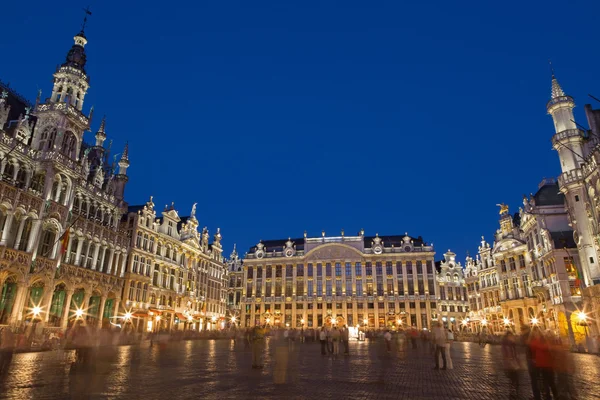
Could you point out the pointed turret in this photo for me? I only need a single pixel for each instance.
(101, 134)
(122, 178)
(124, 161)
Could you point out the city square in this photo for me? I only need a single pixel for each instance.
(307, 158)
(220, 369)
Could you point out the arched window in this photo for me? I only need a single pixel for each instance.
(46, 243)
(455, 277)
(21, 178)
(68, 144)
(138, 294)
(9, 171)
(37, 183)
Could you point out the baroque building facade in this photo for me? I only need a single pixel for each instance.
(175, 279)
(70, 246)
(62, 249)
(235, 290)
(529, 276)
(453, 301)
(371, 282)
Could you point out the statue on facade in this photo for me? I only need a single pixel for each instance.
(193, 213)
(503, 208)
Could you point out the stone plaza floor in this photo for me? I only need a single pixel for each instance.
(210, 369)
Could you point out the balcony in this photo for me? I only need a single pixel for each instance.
(13, 256)
(569, 177)
(68, 108)
(42, 264)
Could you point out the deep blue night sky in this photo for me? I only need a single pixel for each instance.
(280, 118)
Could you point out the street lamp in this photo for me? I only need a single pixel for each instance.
(79, 313)
(233, 319)
(36, 311)
(534, 321)
(484, 322)
(506, 321)
(127, 316)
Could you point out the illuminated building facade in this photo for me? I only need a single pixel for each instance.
(374, 282)
(579, 155)
(234, 293)
(62, 251)
(175, 279)
(453, 302)
(530, 275)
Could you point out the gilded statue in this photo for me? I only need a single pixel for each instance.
(503, 208)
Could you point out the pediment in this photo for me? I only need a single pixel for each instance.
(334, 251)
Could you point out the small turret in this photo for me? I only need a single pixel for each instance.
(101, 134)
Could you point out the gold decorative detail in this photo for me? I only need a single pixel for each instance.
(503, 208)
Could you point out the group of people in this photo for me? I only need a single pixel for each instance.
(331, 338)
(547, 362)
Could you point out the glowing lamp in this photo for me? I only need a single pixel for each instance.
(214, 319)
(127, 316)
(79, 313)
(232, 319)
(534, 321)
(506, 321)
(158, 317)
(581, 316)
(484, 322)
(465, 322)
(36, 310)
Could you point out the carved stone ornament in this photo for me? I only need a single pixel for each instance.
(333, 252)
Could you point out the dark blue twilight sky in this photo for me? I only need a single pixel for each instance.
(278, 118)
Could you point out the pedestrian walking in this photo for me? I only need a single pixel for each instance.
(335, 341)
(7, 347)
(329, 342)
(542, 358)
(258, 339)
(450, 340)
(439, 339)
(387, 336)
(345, 339)
(323, 340)
(510, 362)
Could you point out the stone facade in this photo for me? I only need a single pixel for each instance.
(66, 231)
(372, 282)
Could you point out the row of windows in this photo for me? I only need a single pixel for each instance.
(339, 289)
(329, 306)
(348, 269)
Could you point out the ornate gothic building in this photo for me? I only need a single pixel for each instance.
(66, 230)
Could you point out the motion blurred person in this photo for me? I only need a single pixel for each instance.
(335, 341)
(511, 363)
(449, 341)
(387, 336)
(439, 339)
(7, 347)
(345, 339)
(542, 358)
(258, 339)
(323, 340)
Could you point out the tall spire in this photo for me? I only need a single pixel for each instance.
(124, 162)
(125, 156)
(101, 134)
(556, 89)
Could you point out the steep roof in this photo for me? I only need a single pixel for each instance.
(549, 195)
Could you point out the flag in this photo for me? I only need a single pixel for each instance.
(64, 243)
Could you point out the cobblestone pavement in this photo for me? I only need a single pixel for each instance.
(222, 370)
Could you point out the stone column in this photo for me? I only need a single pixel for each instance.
(46, 303)
(20, 233)
(33, 236)
(17, 311)
(101, 310)
(77, 260)
(123, 261)
(7, 226)
(116, 308)
(102, 259)
(95, 258)
(65, 317)
(111, 260)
